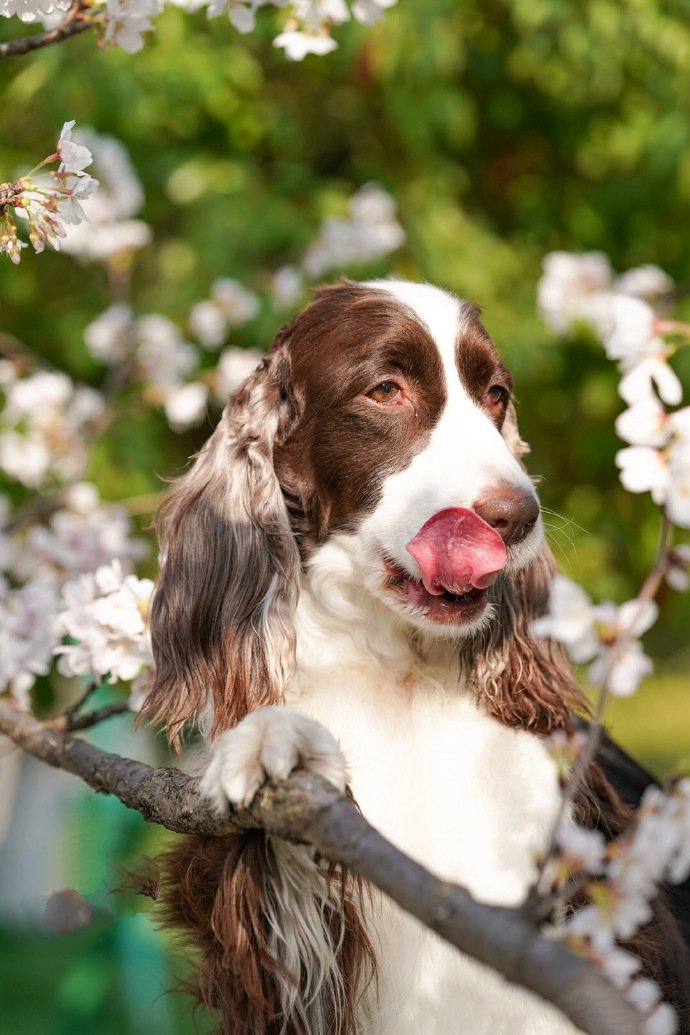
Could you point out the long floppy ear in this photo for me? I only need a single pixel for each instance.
(222, 610)
(522, 680)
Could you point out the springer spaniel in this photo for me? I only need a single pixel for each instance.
(351, 569)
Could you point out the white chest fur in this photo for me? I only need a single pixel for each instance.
(467, 797)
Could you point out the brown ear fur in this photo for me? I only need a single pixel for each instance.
(221, 617)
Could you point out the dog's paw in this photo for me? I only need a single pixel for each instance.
(269, 744)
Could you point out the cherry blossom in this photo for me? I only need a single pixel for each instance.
(42, 428)
(33, 10)
(74, 157)
(287, 286)
(47, 200)
(370, 231)
(126, 22)
(233, 367)
(602, 634)
(230, 305)
(28, 633)
(83, 535)
(106, 614)
(109, 337)
(630, 330)
(625, 879)
(572, 287)
(646, 282)
(111, 230)
(580, 849)
(185, 405)
(649, 375)
(297, 44)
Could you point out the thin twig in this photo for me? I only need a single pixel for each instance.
(307, 809)
(89, 690)
(79, 19)
(69, 722)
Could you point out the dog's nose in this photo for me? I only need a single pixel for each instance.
(512, 512)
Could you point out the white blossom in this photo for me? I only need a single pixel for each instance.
(286, 286)
(42, 427)
(371, 11)
(111, 230)
(678, 498)
(648, 375)
(230, 305)
(185, 405)
(208, 324)
(621, 668)
(603, 634)
(126, 22)
(28, 633)
(644, 282)
(570, 619)
(581, 849)
(234, 366)
(33, 10)
(571, 288)
(46, 200)
(630, 331)
(165, 358)
(298, 44)
(74, 157)
(644, 424)
(644, 470)
(83, 535)
(107, 615)
(370, 231)
(109, 337)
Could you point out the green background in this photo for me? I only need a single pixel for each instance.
(503, 130)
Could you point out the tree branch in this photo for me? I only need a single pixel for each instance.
(78, 20)
(307, 809)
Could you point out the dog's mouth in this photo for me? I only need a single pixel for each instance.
(454, 605)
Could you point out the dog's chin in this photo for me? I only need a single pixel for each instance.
(443, 615)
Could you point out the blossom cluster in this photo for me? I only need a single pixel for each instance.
(604, 635)
(36, 563)
(47, 200)
(621, 879)
(306, 30)
(111, 229)
(43, 425)
(106, 617)
(582, 289)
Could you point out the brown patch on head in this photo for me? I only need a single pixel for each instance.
(349, 340)
(486, 380)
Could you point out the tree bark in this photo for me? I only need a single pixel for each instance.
(306, 809)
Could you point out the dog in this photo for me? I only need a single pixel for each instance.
(350, 572)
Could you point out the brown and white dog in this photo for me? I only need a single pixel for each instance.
(351, 569)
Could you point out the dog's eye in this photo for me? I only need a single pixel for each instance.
(386, 392)
(497, 396)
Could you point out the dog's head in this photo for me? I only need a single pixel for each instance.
(382, 412)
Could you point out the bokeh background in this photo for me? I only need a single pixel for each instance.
(503, 130)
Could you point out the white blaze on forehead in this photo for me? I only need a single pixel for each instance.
(465, 456)
(438, 309)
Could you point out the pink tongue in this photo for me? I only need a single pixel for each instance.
(457, 551)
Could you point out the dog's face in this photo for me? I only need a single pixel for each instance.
(400, 439)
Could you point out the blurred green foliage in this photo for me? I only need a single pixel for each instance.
(504, 130)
